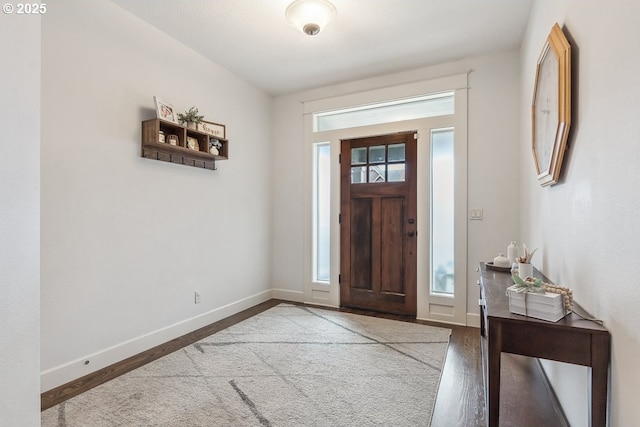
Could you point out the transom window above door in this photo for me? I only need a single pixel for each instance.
(378, 164)
(416, 107)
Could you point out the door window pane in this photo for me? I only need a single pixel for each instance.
(321, 217)
(377, 154)
(442, 212)
(395, 172)
(377, 173)
(359, 156)
(396, 153)
(359, 175)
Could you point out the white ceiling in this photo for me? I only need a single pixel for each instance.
(369, 38)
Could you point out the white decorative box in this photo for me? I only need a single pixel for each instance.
(547, 306)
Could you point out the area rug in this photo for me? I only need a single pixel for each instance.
(289, 366)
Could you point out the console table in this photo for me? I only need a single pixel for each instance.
(571, 340)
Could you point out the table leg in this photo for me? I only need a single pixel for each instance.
(493, 389)
(599, 375)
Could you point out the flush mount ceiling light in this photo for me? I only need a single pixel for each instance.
(310, 16)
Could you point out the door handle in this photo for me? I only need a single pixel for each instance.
(411, 233)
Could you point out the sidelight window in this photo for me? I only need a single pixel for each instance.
(442, 211)
(321, 212)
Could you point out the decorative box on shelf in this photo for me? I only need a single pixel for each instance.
(545, 306)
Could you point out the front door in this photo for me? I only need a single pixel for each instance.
(378, 225)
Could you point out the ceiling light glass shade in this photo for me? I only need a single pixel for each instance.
(310, 16)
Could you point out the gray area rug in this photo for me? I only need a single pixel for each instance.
(288, 366)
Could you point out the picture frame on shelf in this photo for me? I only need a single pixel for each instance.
(192, 143)
(214, 129)
(165, 111)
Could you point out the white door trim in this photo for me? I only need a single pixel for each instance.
(430, 307)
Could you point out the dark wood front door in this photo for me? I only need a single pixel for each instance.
(378, 225)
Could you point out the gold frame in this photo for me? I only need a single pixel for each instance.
(551, 107)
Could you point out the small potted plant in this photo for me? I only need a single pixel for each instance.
(214, 146)
(525, 269)
(190, 117)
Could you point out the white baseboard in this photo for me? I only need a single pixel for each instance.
(287, 295)
(473, 320)
(87, 364)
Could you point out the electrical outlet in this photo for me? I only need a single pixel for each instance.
(196, 297)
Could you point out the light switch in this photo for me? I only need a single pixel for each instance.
(475, 214)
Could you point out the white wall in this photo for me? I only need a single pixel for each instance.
(493, 175)
(20, 221)
(125, 240)
(587, 227)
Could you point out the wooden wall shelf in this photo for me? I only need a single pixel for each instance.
(152, 148)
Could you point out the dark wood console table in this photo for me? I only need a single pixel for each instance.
(571, 340)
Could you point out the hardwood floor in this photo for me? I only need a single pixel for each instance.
(525, 399)
(460, 400)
